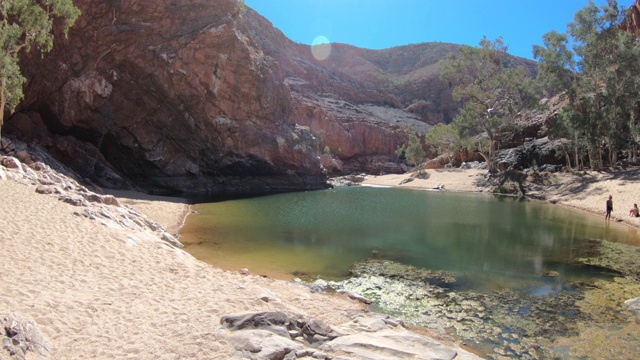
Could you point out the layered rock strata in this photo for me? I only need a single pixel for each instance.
(207, 97)
(174, 95)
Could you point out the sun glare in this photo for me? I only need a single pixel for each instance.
(321, 48)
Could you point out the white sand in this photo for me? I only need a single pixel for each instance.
(453, 180)
(98, 292)
(169, 212)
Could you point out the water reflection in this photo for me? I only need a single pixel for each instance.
(494, 242)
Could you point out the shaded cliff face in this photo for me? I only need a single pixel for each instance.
(200, 97)
(176, 97)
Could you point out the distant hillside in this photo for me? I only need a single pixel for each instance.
(408, 75)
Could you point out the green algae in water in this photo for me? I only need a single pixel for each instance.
(573, 322)
(511, 278)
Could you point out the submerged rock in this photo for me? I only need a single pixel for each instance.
(616, 257)
(392, 269)
(549, 273)
(633, 304)
(518, 323)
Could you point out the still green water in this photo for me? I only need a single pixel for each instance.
(492, 241)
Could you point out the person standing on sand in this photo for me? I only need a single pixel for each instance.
(609, 208)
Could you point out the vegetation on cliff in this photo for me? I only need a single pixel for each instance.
(598, 77)
(23, 25)
(412, 151)
(492, 93)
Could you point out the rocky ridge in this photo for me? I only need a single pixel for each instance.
(205, 98)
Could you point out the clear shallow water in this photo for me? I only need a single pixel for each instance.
(491, 241)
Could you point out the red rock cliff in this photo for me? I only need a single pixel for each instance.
(632, 21)
(176, 96)
(197, 96)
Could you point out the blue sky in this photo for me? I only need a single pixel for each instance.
(380, 24)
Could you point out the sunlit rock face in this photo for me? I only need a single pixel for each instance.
(632, 21)
(202, 97)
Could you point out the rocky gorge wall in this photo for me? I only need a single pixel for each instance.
(173, 95)
(632, 21)
(204, 97)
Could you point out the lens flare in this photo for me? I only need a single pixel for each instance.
(321, 48)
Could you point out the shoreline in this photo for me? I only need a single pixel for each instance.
(93, 276)
(554, 195)
(100, 278)
(585, 192)
(170, 212)
(447, 180)
(452, 180)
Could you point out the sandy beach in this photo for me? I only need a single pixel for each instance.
(99, 277)
(98, 290)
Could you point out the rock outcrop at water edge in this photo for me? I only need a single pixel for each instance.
(31, 167)
(277, 335)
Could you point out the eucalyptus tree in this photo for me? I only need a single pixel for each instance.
(556, 63)
(412, 152)
(444, 139)
(556, 74)
(621, 91)
(25, 24)
(493, 94)
(595, 32)
(603, 87)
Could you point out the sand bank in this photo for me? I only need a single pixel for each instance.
(169, 212)
(98, 290)
(102, 292)
(585, 191)
(101, 281)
